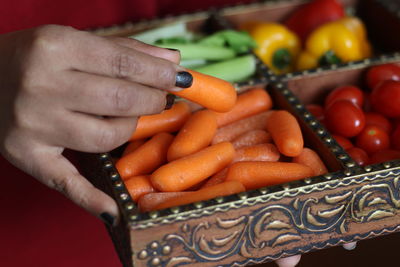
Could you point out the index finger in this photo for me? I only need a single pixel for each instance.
(94, 54)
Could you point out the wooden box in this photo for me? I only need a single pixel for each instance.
(349, 203)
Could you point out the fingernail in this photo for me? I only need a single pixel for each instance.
(108, 218)
(173, 49)
(350, 246)
(183, 79)
(170, 101)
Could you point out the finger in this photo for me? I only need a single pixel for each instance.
(106, 96)
(101, 56)
(350, 246)
(288, 261)
(168, 54)
(87, 133)
(58, 173)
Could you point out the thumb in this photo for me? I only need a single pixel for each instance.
(288, 261)
(58, 173)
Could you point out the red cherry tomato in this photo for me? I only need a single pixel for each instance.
(385, 98)
(378, 74)
(395, 138)
(347, 92)
(372, 139)
(384, 155)
(344, 118)
(343, 141)
(373, 118)
(316, 110)
(358, 155)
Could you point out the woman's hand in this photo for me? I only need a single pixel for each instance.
(64, 88)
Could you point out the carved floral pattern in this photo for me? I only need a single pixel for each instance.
(280, 224)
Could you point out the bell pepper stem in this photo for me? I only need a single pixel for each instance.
(329, 58)
(281, 59)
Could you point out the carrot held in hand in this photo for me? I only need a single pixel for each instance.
(196, 134)
(235, 129)
(146, 158)
(209, 92)
(248, 103)
(169, 121)
(310, 158)
(185, 172)
(138, 186)
(219, 190)
(150, 201)
(258, 174)
(286, 133)
(252, 138)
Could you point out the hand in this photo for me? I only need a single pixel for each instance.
(64, 88)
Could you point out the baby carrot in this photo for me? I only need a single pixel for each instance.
(217, 178)
(138, 186)
(249, 103)
(150, 201)
(252, 138)
(146, 158)
(132, 146)
(185, 172)
(235, 129)
(209, 92)
(286, 133)
(261, 152)
(259, 174)
(310, 158)
(219, 190)
(196, 134)
(169, 121)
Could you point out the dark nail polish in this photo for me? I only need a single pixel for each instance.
(108, 218)
(183, 79)
(173, 49)
(170, 101)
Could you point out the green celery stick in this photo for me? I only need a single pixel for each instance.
(193, 63)
(175, 30)
(198, 51)
(232, 70)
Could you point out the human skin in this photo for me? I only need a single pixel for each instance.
(63, 88)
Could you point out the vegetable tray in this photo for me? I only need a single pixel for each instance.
(349, 203)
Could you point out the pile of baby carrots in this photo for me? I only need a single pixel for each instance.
(180, 157)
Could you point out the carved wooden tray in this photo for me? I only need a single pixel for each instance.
(349, 203)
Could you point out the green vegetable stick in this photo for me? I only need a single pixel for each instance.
(233, 70)
(198, 51)
(152, 35)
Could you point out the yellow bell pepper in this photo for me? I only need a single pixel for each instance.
(339, 41)
(277, 46)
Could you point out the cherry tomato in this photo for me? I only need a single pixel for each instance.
(316, 110)
(372, 139)
(343, 141)
(347, 92)
(344, 118)
(384, 155)
(373, 118)
(385, 98)
(395, 138)
(378, 74)
(358, 155)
